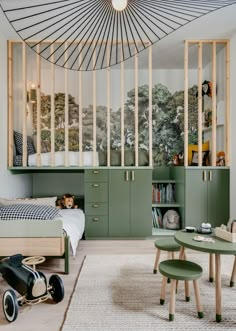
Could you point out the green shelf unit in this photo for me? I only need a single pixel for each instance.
(164, 181)
(166, 205)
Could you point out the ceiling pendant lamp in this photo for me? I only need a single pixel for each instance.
(85, 35)
(119, 4)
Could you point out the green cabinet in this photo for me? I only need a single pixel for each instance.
(130, 200)
(96, 203)
(206, 196)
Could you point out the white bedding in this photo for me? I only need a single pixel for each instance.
(73, 159)
(73, 224)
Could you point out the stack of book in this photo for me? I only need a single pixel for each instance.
(156, 218)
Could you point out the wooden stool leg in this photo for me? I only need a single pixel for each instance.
(187, 292)
(172, 300)
(173, 255)
(163, 290)
(156, 260)
(211, 268)
(169, 257)
(198, 299)
(233, 276)
(218, 287)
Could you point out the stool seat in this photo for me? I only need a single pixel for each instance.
(177, 270)
(180, 269)
(167, 244)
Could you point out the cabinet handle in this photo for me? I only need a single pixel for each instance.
(95, 185)
(204, 176)
(210, 175)
(127, 176)
(95, 219)
(96, 172)
(132, 176)
(95, 206)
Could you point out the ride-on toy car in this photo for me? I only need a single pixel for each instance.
(30, 284)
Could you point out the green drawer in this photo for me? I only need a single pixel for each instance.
(96, 192)
(96, 226)
(96, 175)
(96, 209)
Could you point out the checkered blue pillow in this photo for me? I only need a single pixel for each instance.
(18, 138)
(27, 212)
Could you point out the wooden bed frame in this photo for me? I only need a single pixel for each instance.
(57, 247)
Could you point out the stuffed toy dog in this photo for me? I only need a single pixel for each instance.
(67, 202)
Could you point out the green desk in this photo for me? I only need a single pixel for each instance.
(220, 246)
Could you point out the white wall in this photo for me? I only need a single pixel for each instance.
(10, 185)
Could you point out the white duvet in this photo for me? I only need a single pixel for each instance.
(73, 224)
(73, 159)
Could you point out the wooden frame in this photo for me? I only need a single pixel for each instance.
(188, 43)
(94, 95)
(57, 247)
(214, 44)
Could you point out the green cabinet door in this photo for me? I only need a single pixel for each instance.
(130, 202)
(141, 202)
(196, 201)
(119, 203)
(206, 196)
(218, 196)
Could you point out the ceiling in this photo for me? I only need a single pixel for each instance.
(168, 53)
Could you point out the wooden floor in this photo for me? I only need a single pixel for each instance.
(48, 316)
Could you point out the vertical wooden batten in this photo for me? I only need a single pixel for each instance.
(38, 109)
(94, 111)
(80, 114)
(213, 147)
(10, 105)
(66, 111)
(227, 127)
(150, 102)
(186, 103)
(200, 103)
(122, 119)
(108, 70)
(52, 109)
(24, 104)
(136, 107)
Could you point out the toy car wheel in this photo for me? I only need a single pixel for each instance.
(57, 288)
(10, 305)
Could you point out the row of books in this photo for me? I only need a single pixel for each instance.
(163, 193)
(156, 218)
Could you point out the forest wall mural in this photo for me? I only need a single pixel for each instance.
(167, 123)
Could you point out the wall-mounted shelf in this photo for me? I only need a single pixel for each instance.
(206, 129)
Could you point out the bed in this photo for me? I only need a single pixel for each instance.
(55, 237)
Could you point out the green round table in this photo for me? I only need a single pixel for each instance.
(220, 246)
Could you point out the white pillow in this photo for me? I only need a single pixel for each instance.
(35, 201)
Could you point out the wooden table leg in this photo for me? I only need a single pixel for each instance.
(233, 276)
(218, 287)
(211, 268)
(182, 253)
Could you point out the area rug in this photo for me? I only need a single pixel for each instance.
(121, 293)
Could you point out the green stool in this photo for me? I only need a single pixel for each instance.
(166, 244)
(180, 270)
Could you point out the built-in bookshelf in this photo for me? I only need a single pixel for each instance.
(163, 198)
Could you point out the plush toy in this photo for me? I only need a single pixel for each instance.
(178, 159)
(220, 158)
(67, 202)
(171, 220)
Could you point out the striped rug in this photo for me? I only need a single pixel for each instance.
(121, 293)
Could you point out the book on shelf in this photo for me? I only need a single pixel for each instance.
(156, 218)
(163, 193)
